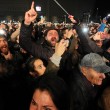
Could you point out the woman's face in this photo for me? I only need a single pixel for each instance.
(39, 67)
(42, 100)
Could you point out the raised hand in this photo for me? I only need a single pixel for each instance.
(71, 17)
(61, 47)
(30, 15)
(99, 36)
(70, 33)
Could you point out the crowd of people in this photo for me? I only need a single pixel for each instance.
(44, 66)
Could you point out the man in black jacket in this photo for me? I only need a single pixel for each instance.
(43, 50)
(83, 90)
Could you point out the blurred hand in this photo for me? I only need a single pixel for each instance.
(41, 21)
(71, 17)
(30, 15)
(99, 36)
(70, 33)
(61, 47)
(19, 25)
(22, 50)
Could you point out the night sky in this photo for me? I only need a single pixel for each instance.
(77, 8)
(102, 8)
(98, 8)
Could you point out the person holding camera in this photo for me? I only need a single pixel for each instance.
(45, 49)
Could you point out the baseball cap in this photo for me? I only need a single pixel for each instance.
(96, 62)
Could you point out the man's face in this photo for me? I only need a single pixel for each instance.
(52, 37)
(3, 46)
(99, 43)
(104, 21)
(93, 76)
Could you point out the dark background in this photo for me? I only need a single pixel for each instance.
(79, 8)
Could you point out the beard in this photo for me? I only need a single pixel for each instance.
(52, 42)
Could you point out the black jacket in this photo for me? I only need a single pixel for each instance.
(87, 45)
(42, 50)
(82, 93)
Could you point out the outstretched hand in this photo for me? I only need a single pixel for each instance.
(30, 15)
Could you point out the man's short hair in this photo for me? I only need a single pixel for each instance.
(48, 29)
(95, 62)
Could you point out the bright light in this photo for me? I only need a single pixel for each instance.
(85, 29)
(91, 22)
(2, 32)
(38, 8)
(108, 15)
(3, 21)
(41, 17)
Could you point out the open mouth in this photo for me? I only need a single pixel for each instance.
(53, 39)
(4, 48)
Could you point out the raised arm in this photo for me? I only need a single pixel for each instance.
(30, 15)
(25, 40)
